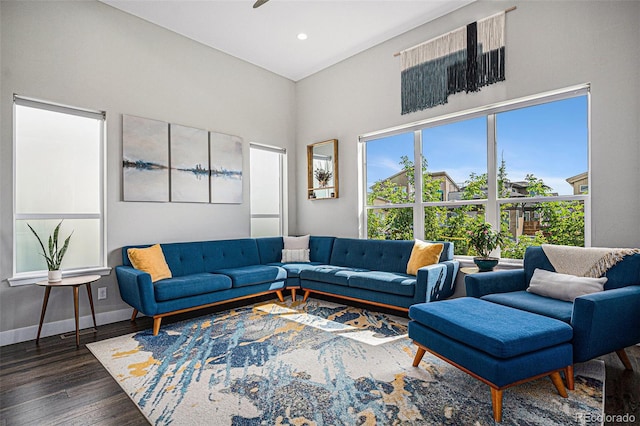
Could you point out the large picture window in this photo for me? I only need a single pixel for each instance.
(521, 166)
(59, 176)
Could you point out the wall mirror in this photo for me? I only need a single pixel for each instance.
(322, 166)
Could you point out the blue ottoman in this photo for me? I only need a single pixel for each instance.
(499, 345)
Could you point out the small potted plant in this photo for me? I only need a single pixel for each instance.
(54, 255)
(484, 240)
(323, 176)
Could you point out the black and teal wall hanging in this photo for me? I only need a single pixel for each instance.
(464, 59)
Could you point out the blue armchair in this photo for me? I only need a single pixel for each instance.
(602, 322)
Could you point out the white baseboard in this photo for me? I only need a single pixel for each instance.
(24, 334)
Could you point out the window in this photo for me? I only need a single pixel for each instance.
(520, 165)
(59, 176)
(267, 187)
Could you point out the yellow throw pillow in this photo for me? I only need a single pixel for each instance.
(423, 254)
(150, 260)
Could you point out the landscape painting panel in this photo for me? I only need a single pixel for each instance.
(145, 159)
(226, 168)
(189, 164)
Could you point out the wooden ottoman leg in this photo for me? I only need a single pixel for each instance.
(419, 355)
(306, 295)
(625, 359)
(496, 401)
(293, 294)
(557, 382)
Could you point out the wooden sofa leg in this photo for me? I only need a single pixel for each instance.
(135, 314)
(156, 325)
(557, 382)
(496, 402)
(306, 295)
(419, 355)
(568, 374)
(280, 296)
(625, 359)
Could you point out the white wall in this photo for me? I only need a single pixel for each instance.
(550, 45)
(90, 55)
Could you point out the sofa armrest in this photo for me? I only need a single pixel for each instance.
(480, 284)
(437, 281)
(606, 321)
(136, 289)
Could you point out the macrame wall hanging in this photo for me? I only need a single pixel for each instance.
(464, 59)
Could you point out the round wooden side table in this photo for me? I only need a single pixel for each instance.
(75, 283)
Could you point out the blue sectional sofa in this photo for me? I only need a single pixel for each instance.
(602, 322)
(208, 273)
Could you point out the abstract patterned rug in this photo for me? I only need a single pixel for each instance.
(318, 363)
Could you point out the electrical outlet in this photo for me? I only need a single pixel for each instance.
(102, 293)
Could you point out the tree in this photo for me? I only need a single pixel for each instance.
(561, 222)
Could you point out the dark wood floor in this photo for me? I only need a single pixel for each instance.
(55, 383)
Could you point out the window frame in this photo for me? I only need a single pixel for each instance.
(492, 203)
(283, 221)
(31, 277)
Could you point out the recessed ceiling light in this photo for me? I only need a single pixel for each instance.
(302, 36)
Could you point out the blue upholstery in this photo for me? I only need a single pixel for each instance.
(330, 274)
(193, 285)
(602, 322)
(254, 274)
(211, 271)
(270, 249)
(385, 282)
(499, 371)
(553, 308)
(500, 331)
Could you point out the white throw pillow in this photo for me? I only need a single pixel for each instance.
(563, 286)
(295, 255)
(296, 243)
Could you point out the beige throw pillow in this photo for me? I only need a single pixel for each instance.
(296, 243)
(563, 286)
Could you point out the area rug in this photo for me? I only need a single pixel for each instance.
(319, 363)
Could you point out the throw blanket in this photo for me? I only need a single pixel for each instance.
(585, 261)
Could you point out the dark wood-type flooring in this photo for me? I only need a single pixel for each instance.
(55, 383)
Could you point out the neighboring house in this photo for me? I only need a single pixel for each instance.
(447, 185)
(580, 183)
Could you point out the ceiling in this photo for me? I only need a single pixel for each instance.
(267, 36)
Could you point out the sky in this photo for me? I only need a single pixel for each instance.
(549, 141)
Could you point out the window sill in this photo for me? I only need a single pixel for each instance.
(33, 277)
(504, 263)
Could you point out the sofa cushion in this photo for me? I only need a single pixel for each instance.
(386, 282)
(423, 254)
(562, 286)
(554, 308)
(150, 260)
(190, 285)
(372, 255)
(230, 254)
(330, 274)
(463, 320)
(270, 249)
(294, 269)
(254, 274)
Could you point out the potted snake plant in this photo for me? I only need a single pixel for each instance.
(54, 254)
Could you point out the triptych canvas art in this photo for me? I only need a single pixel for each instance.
(165, 162)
